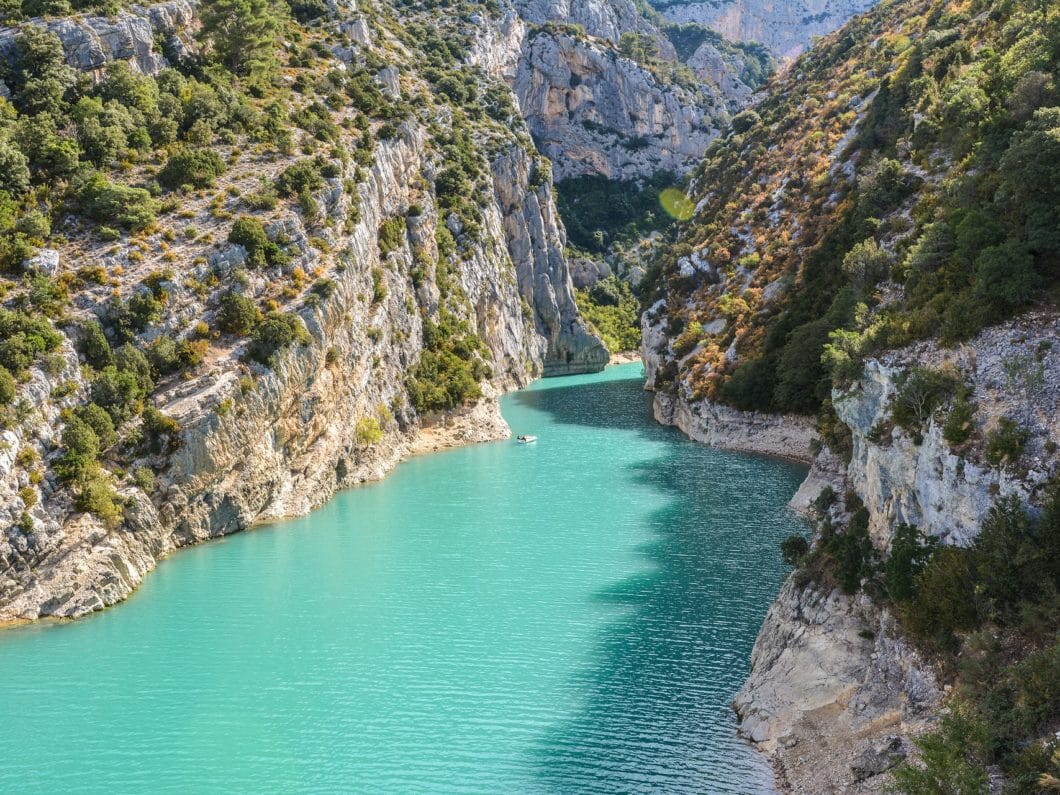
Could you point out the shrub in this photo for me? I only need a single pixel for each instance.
(97, 497)
(144, 479)
(96, 418)
(195, 167)
(378, 285)
(237, 314)
(368, 431)
(117, 205)
(919, 394)
(943, 601)
(952, 759)
(7, 387)
(80, 450)
(92, 344)
(23, 339)
(391, 236)
(275, 332)
(162, 431)
(119, 392)
(793, 549)
(909, 554)
(960, 422)
(300, 177)
(249, 233)
(1005, 442)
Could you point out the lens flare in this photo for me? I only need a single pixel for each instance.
(676, 204)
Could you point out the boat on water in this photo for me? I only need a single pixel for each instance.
(525, 439)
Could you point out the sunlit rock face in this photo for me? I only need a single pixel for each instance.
(786, 27)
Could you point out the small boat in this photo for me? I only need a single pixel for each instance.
(526, 439)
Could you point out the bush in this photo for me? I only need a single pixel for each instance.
(96, 418)
(7, 387)
(793, 549)
(391, 236)
(237, 314)
(119, 392)
(303, 176)
(117, 205)
(274, 333)
(368, 431)
(1005, 443)
(909, 554)
(919, 394)
(80, 451)
(944, 600)
(952, 759)
(960, 422)
(195, 167)
(93, 345)
(378, 285)
(97, 497)
(23, 339)
(144, 479)
(162, 431)
(249, 233)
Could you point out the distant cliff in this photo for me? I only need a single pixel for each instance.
(787, 28)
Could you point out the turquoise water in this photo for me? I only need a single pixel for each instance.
(571, 616)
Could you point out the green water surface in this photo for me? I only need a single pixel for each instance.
(565, 617)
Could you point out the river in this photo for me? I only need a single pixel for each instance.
(564, 617)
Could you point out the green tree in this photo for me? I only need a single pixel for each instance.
(241, 34)
(237, 314)
(41, 76)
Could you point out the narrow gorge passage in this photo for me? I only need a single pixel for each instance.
(574, 615)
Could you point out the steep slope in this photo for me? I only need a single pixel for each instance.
(327, 269)
(869, 281)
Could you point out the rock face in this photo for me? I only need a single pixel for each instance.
(591, 111)
(784, 27)
(259, 443)
(944, 491)
(828, 671)
(92, 42)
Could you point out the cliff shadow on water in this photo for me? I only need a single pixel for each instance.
(670, 662)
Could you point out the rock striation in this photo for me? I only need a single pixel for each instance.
(592, 111)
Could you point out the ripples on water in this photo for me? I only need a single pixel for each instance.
(573, 616)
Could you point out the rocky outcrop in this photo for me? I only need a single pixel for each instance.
(748, 432)
(944, 490)
(591, 111)
(90, 43)
(830, 674)
(786, 28)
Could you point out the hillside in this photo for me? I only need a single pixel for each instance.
(869, 283)
(243, 268)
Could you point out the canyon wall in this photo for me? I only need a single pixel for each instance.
(262, 442)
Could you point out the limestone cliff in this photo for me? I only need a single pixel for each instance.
(592, 111)
(256, 442)
(787, 28)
